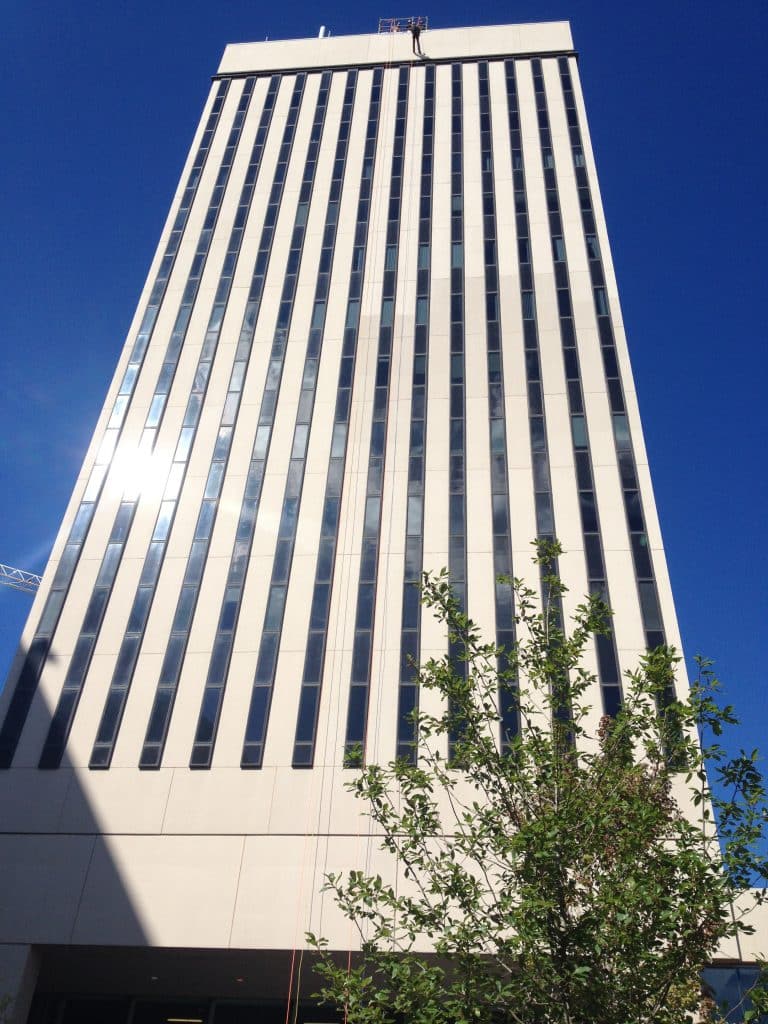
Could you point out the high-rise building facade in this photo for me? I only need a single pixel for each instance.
(381, 335)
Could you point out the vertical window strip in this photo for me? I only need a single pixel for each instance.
(218, 665)
(63, 715)
(170, 672)
(271, 632)
(123, 673)
(362, 648)
(607, 654)
(645, 578)
(410, 644)
(497, 424)
(317, 634)
(457, 498)
(537, 423)
(32, 667)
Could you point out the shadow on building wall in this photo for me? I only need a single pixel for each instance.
(78, 941)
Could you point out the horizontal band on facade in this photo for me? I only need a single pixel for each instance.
(365, 65)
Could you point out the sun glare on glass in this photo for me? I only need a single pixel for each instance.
(138, 472)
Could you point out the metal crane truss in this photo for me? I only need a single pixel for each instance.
(19, 579)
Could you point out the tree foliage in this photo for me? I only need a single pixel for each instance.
(558, 875)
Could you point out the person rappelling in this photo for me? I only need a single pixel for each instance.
(414, 27)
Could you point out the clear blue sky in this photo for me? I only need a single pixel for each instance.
(99, 101)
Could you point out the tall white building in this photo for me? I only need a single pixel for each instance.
(381, 334)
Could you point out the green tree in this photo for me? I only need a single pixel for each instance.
(558, 875)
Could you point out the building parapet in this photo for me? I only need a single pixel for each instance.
(384, 48)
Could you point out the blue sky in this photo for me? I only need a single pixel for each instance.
(99, 102)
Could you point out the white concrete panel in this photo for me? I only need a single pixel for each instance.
(90, 709)
(276, 871)
(222, 801)
(31, 801)
(237, 695)
(281, 727)
(42, 881)
(186, 710)
(118, 800)
(173, 890)
(133, 728)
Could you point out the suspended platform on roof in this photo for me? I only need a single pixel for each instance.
(402, 24)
